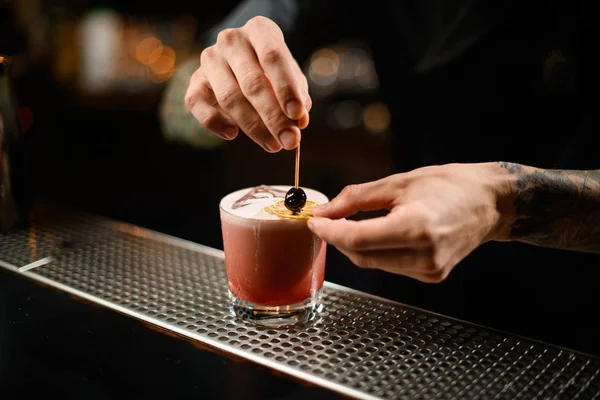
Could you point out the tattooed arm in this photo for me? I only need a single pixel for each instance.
(555, 208)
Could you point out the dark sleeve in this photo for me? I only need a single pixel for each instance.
(306, 24)
(284, 12)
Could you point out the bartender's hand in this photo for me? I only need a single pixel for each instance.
(438, 215)
(249, 81)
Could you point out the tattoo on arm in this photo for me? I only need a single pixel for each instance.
(556, 208)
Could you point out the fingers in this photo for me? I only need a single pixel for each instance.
(414, 264)
(202, 104)
(304, 119)
(231, 99)
(305, 94)
(369, 196)
(249, 80)
(278, 65)
(257, 88)
(397, 230)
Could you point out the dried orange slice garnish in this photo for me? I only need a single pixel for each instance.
(278, 208)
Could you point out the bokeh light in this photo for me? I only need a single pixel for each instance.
(324, 66)
(146, 50)
(345, 114)
(376, 117)
(163, 66)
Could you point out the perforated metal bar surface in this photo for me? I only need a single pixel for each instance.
(51, 233)
(362, 346)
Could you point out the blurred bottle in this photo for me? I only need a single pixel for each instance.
(13, 199)
(100, 36)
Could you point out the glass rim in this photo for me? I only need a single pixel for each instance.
(279, 219)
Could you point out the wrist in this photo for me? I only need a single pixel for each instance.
(501, 180)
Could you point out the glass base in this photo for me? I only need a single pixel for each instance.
(277, 316)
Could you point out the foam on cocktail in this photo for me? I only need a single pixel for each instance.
(250, 203)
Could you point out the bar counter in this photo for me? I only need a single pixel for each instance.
(96, 308)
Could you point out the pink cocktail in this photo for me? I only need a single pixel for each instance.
(275, 265)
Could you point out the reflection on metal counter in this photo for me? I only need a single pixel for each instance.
(362, 346)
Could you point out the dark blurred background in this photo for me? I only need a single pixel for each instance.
(91, 75)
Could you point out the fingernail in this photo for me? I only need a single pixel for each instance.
(293, 109)
(288, 140)
(272, 146)
(308, 103)
(313, 222)
(303, 121)
(230, 132)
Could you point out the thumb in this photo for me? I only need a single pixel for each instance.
(327, 229)
(352, 199)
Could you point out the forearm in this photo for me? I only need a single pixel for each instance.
(554, 208)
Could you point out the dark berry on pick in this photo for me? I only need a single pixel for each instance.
(295, 199)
